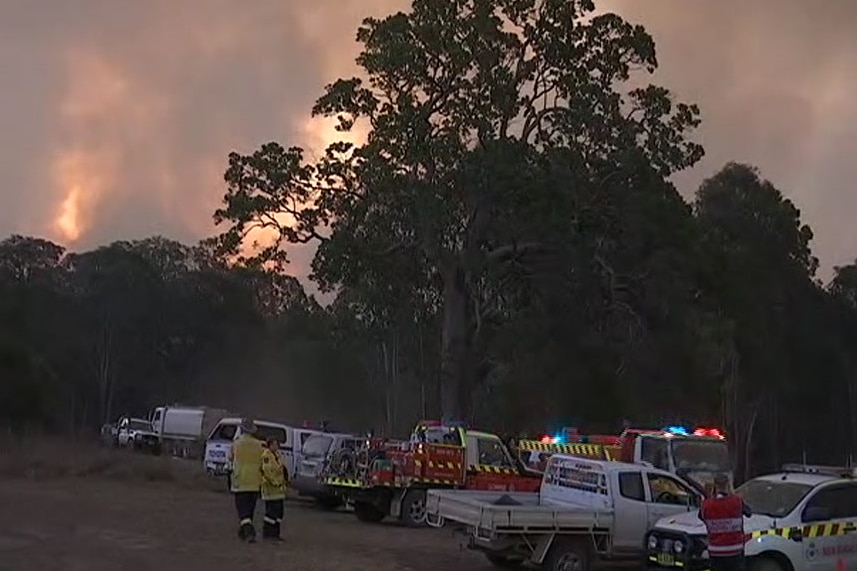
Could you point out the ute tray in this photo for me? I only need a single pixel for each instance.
(478, 510)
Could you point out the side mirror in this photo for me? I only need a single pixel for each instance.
(816, 513)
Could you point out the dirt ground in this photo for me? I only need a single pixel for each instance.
(88, 524)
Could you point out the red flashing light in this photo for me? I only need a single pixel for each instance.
(546, 440)
(715, 432)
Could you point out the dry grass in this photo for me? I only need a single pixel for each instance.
(46, 458)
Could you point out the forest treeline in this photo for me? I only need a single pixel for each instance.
(506, 247)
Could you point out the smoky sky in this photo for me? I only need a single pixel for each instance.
(116, 117)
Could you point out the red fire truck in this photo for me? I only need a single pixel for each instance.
(695, 455)
(389, 478)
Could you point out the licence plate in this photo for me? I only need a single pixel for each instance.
(666, 559)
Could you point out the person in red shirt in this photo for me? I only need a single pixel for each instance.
(723, 515)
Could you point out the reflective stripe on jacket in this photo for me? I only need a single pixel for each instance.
(273, 476)
(247, 464)
(724, 520)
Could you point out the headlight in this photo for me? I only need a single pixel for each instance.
(653, 542)
(678, 547)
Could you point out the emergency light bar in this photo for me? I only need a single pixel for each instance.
(835, 471)
(715, 432)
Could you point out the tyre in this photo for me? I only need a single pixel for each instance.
(764, 564)
(368, 513)
(413, 512)
(504, 561)
(567, 555)
(328, 502)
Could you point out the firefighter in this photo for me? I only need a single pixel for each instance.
(723, 515)
(246, 457)
(273, 490)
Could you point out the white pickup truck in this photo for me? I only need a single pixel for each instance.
(804, 518)
(585, 511)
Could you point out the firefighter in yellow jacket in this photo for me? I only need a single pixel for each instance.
(273, 490)
(246, 457)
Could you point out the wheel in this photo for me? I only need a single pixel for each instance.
(504, 561)
(764, 564)
(414, 509)
(328, 502)
(567, 555)
(367, 513)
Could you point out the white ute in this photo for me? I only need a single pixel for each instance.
(804, 518)
(585, 511)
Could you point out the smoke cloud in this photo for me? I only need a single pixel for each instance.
(116, 117)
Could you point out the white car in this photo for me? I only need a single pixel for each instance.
(804, 518)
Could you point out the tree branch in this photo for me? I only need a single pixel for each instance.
(511, 251)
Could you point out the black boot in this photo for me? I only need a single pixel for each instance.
(269, 529)
(247, 532)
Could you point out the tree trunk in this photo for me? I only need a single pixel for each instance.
(453, 379)
(388, 401)
(748, 441)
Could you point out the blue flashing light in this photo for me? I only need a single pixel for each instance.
(678, 430)
(558, 438)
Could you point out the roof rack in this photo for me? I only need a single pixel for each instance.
(837, 471)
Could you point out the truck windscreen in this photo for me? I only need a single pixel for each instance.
(316, 446)
(701, 455)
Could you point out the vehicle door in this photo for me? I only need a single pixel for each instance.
(631, 510)
(218, 445)
(829, 516)
(668, 496)
(489, 465)
(300, 438)
(157, 421)
(123, 432)
(654, 451)
(287, 451)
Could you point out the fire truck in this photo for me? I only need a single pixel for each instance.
(390, 478)
(695, 455)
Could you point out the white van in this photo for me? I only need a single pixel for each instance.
(219, 443)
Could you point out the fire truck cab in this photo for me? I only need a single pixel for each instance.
(390, 478)
(694, 455)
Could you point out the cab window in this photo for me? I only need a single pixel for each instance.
(666, 490)
(631, 486)
(492, 453)
(655, 452)
(838, 502)
(224, 432)
(265, 431)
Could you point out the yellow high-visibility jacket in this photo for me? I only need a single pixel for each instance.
(273, 476)
(246, 455)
